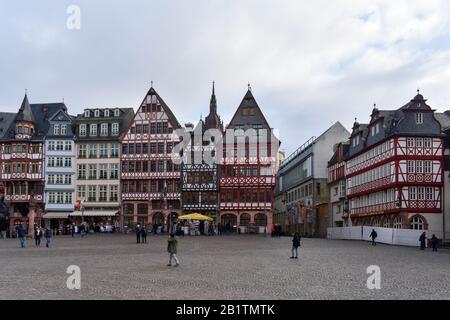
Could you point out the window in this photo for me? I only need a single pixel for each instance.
(81, 171)
(93, 151)
(93, 130)
(161, 148)
(398, 222)
(421, 193)
(51, 146)
(114, 150)
(115, 129)
(427, 166)
(93, 171)
(104, 129)
(114, 193)
(152, 148)
(106, 113)
(410, 142)
(419, 143)
(68, 145)
(125, 148)
(82, 130)
(56, 130)
(103, 193)
(97, 113)
(427, 142)
(103, 168)
(92, 193)
(81, 192)
(59, 145)
(67, 162)
(87, 113)
(429, 193)
(417, 223)
(114, 171)
(372, 131)
(82, 151)
(160, 166)
(116, 113)
(419, 166)
(419, 117)
(386, 223)
(103, 150)
(63, 129)
(412, 193)
(377, 128)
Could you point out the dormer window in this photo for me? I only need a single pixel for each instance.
(356, 141)
(116, 113)
(87, 114)
(56, 131)
(63, 129)
(97, 113)
(106, 113)
(419, 117)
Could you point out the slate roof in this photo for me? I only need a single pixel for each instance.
(6, 118)
(239, 119)
(444, 119)
(25, 113)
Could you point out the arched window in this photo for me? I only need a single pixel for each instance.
(398, 222)
(158, 218)
(386, 223)
(244, 219)
(376, 222)
(417, 223)
(261, 220)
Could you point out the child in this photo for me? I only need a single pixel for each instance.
(172, 249)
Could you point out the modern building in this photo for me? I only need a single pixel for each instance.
(338, 204)
(248, 168)
(98, 132)
(199, 179)
(150, 180)
(302, 193)
(22, 161)
(394, 169)
(60, 168)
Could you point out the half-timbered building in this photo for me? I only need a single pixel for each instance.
(394, 169)
(150, 180)
(248, 168)
(199, 181)
(22, 162)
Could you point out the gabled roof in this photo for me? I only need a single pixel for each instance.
(165, 107)
(256, 117)
(42, 113)
(6, 119)
(25, 113)
(65, 116)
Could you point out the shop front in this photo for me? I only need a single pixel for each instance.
(97, 220)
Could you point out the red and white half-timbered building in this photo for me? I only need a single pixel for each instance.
(394, 169)
(150, 181)
(247, 173)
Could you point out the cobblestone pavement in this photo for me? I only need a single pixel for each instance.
(225, 267)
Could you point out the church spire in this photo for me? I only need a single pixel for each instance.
(213, 102)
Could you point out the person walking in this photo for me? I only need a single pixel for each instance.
(22, 235)
(144, 234)
(295, 245)
(138, 233)
(434, 242)
(422, 240)
(73, 229)
(373, 235)
(37, 236)
(48, 237)
(172, 244)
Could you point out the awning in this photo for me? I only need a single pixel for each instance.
(95, 213)
(56, 215)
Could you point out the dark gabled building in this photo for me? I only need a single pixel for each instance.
(199, 182)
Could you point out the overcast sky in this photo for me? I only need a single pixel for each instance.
(310, 63)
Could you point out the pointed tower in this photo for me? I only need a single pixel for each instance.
(212, 121)
(24, 121)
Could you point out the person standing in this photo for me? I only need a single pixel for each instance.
(172, 244)
(295, 245)
(73, 229)
(48, 237)
(144, 234)
(22, 235)
(373, 235)
(422, 240)
(434, 242)
(138, 233)
(37, 236)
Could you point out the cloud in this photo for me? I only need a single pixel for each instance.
(310, 63)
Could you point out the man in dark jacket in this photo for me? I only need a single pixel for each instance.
(434, 242)
(295, 245)
(373, 235)
(172, 244)
(48, 237)
(138, 233)
(422, 240)
(144, 234)
(37, 236)
(22, 235)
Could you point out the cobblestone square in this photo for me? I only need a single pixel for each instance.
(221, 267)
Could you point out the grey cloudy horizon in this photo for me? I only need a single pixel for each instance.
(310, 64)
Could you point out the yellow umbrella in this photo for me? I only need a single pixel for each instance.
(195, 216)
